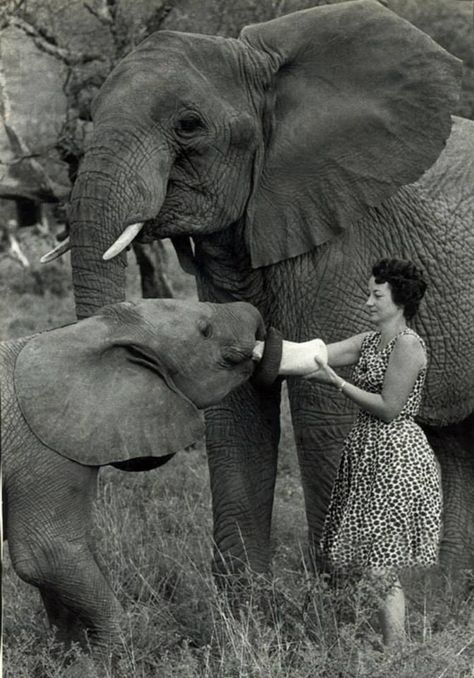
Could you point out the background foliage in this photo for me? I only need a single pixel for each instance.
(87, 37)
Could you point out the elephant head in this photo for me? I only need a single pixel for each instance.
(290, 132)
(126, 384)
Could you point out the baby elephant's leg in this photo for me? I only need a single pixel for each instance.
(78, 598)
(68, 625)
(50, 525)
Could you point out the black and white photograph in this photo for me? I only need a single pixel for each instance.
(237, 338)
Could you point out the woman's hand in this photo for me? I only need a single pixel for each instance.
(324, 374)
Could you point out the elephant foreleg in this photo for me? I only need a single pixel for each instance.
(321, 420)
(242, 440)
(50, 522)
(454, 447)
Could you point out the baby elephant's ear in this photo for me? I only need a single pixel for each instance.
(98, 402)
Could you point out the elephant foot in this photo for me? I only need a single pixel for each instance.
(67, 627)
(83, 667)
(237, 580)
(100, 639)
(92, 666)
(250, 598)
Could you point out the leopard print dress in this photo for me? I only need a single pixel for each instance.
(385, 508)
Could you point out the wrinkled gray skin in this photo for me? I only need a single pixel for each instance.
(294, 157)
(168, 348)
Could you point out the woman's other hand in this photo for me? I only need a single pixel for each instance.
(323, 373)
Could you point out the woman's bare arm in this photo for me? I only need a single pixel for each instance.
(347, 351)
(405, 363)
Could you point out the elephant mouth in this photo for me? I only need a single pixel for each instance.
(234, 356)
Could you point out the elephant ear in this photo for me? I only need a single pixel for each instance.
(361, 103)
(88, 392)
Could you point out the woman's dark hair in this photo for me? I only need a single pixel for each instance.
(406, 283)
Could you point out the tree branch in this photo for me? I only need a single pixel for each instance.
(45, 45)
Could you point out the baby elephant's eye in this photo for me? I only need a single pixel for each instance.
(205, 328)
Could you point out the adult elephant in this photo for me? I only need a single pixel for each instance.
(289, 157)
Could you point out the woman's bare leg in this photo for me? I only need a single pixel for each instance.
(392, 609)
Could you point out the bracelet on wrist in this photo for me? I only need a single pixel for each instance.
(340, 388)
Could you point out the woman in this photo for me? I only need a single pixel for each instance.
(385, 509)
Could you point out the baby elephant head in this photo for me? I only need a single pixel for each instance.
(201, 350)
(127, 383)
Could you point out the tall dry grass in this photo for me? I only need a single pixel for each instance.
(154, 534)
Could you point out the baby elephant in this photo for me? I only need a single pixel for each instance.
(122, 388)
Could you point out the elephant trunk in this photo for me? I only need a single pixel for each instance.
(122, 181)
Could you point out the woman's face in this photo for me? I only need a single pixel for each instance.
(380, 303)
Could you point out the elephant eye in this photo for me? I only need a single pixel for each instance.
(188, 124)
(205, 328)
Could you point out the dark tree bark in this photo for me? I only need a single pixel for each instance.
(152, 261)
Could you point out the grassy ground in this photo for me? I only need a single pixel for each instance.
(154, 533)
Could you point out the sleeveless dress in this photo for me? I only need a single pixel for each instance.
(385, 508)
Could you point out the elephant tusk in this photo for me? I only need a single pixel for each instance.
(57, 252)
(257, 352)
(123, 240)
